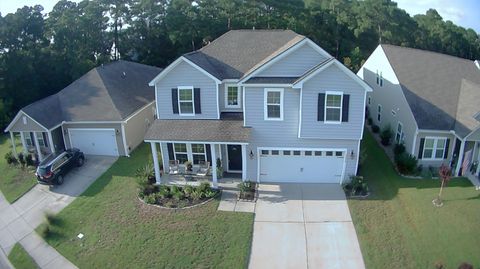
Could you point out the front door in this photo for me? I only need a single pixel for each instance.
(234, 157)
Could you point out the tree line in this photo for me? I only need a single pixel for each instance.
(42, 53)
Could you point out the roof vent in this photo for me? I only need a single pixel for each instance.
(477, 63)
(124, 74)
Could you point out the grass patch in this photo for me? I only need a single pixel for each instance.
(122, 232)
(398, 227)
(20, 258)
(14, 181)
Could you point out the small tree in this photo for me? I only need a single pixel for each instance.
(445, 174)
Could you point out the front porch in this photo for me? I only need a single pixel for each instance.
(470, 167)
(39, 144)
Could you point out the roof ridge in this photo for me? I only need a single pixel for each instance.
(429, 51)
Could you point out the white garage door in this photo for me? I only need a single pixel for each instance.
(94, 141)
(303, 166)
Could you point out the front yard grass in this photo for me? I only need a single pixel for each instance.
(20, 258)
(122, 232)
(398, 227)
(14, 181)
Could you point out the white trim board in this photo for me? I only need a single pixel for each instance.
(197, 142)
(15, 119)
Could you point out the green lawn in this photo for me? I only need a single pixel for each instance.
(20, 258)
(14, 182)
(121, 232)
(398, 227)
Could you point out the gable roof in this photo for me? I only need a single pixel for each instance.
(238, 52)
(432, 84)
(110, 92)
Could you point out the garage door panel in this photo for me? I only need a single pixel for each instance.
(94, 141)
(305, 169)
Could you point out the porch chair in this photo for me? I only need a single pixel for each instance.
(173, 167)
(203, 169)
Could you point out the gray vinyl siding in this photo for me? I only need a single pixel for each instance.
(475, 136)
(294, 64)
(116, 126)
(331, 79)
(136, 127)
(221, 99)
(451, 148)
(285, 133)
(186, 75)
(31, 125)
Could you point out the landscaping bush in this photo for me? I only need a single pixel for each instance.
(247, 190)
(375, 128)
(188, 190)
(29, 160)
(406, 163)
(369, 121)
(21, 159)
(356, 187)
(399, 149)
(176, 196)
(150, 199)
(164, 192)
(146, 172)
(386, 135)
(179, 195)
(196, 194)
(10, 158)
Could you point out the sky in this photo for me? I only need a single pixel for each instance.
(461, 12)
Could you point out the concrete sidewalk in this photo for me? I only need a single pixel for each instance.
(18, 221)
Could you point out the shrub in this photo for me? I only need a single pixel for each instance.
(145, 172)
(188, 190)
(29, 160)
(406, 163)
(375, 128)
(21, 159)
(150, 199)
(179, 195)
(357, 186)
(246, 186)
(210, 193)
(164, 192)
(10, 158)
(204, 187)
(386, 135)
(369, 121)
(174, 189)
(196, 194)
(399, 149)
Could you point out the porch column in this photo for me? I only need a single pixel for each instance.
(37, 146)
(24, 145)
(14, 147)
(460, 158)
(244, 162)
(214, 165)
(153, 145)
(50, 142)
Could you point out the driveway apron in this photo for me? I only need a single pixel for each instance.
(304, 226)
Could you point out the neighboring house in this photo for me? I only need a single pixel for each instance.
(105, 112)
(431, 102)
(270, 104)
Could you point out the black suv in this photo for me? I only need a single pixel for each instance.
(52, 170)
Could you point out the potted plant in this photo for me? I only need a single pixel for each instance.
(247, 190)
(188, 166)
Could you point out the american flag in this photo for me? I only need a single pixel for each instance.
(466, 161)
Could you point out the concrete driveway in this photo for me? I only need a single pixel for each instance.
(17, 221)
(304, 226)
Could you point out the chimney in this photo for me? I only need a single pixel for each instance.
(477, 63)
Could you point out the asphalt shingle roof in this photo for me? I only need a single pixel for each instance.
(432, 84)
(239, 52)
(198, 130)
(110, 92)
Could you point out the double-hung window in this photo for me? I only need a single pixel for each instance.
(198, 153)
(180, 151)
(380, 78)
(273, 109)
(434, 148)
(41, 139)
(232, 96)
(28, 139)
(185, 101)
(399, 135)
(333, 107)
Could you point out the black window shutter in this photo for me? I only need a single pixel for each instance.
(170, 151)
(420, 149)
(175, 100)
(196, 97)
(32, 137)
(345, 107)
(209, 153)
(321, 107)
(447, 145)
(44, 135)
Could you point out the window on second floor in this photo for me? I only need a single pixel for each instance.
(185, 101)
(232, 96)
(380, 78)
(333, 107)
(273, 108)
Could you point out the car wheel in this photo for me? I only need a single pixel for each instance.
(60, 180)
(80, 162)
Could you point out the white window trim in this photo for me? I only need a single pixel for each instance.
(265, 107)
(180, 152)
(434, 149)
(325, 107)
(189, 152)
(239, 96)
(40, 138)
(28, 140)
(194, 153)
(379, 112)
(178, 100)
(401, 139)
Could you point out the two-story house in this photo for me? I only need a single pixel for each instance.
(269, 104)
(430, 100)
